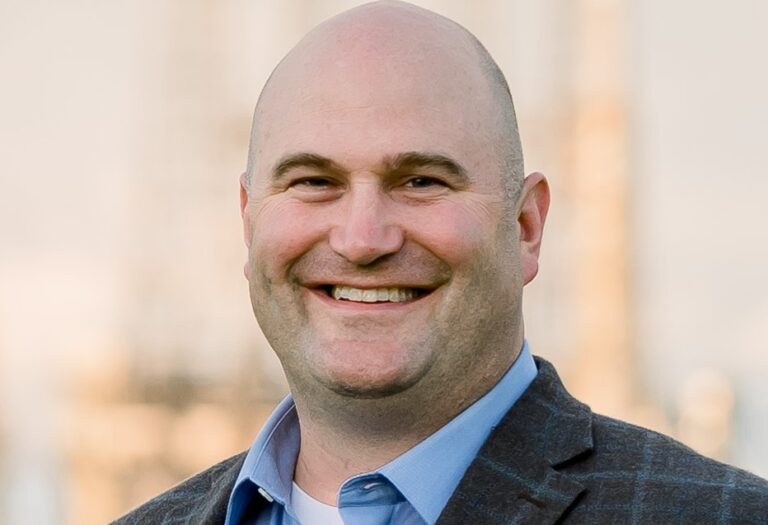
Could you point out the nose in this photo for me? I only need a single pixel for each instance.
(366, 229)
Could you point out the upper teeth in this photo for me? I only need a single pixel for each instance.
(373, 295)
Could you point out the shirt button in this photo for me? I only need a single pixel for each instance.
(265, 495)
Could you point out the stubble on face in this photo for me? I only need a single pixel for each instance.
(347, 353)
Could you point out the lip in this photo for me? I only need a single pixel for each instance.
(320, 294)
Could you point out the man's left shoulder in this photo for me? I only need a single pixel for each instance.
(619, 443)
(203, 498)
(627, 473)
(657, 468)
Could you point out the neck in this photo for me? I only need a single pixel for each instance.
(348, 436)
(326, 461)
(365, 436)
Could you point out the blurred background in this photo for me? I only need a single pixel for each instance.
(129, 357)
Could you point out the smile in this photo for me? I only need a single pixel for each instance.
(373, 295)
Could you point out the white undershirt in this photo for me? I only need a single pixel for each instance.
(309, 511)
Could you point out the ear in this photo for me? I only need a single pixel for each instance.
(246, 222)
(534, 204)
(243, 206)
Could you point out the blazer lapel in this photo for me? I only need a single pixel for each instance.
(515, 477)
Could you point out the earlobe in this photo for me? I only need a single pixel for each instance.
(533, 214)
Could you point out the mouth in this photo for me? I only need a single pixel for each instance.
(397, 294)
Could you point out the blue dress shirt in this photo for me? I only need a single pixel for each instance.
(412, 489)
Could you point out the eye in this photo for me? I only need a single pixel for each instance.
(313, 184)
(423, 182)
(314, 188)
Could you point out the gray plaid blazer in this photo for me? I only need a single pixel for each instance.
(550, 461)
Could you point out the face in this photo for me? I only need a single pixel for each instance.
(383, 256)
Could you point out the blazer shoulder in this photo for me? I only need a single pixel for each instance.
(662, 473)
(616, 439)
(202, 498)
(552, 460)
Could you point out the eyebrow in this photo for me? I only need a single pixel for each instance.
(304, 160)
(416, 159)
(393, 164)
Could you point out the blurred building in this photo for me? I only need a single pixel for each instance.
(129, 358)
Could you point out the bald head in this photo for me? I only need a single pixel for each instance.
(387, 59)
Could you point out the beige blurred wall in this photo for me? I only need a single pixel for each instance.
(128, 354)
(700, 222)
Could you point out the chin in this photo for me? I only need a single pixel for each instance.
(370, 375)
(360, 390)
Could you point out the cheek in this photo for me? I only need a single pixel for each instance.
(282, 232)
(457, 235)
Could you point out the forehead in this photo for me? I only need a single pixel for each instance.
(364, 99)
(357, 126)
(361, 137)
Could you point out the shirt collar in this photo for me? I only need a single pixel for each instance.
(426, 475)
(270, 462)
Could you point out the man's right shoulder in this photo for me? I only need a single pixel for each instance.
(201, 499)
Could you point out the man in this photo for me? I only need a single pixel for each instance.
(390, 232)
